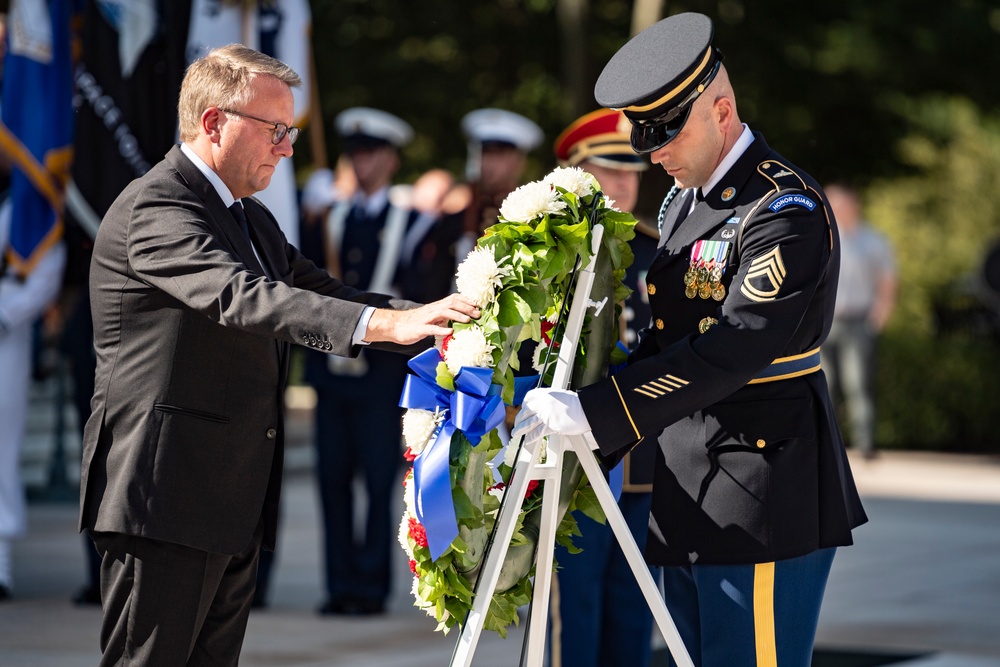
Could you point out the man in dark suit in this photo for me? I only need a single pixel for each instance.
(196, 297)
(752, 491)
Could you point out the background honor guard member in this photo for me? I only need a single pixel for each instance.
(599, 616)
(357, 417)
(498, 145)
(752, 492)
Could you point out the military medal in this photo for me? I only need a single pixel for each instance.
(703, 277)
(706, 323)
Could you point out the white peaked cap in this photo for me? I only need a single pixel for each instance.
(375, 124)
(484, 125)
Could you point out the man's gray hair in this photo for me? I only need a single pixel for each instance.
(222, 78)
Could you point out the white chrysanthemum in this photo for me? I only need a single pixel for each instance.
(531, 201)
(573, 179)
(409, 495)
(418, 427)
(539, 356)
(609, 203)
(468, 347)
(404, 531)
(479, 276)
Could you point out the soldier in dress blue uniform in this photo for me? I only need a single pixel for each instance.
(752, 491)
(498, 145)
(599, 616)
(357, 416)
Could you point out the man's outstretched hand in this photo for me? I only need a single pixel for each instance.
(410, 326)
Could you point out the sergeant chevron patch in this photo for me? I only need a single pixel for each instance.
(765, 276)
(661, 386)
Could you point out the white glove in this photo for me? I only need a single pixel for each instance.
(547, 411)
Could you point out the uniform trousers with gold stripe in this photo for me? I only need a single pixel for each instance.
(757, 615)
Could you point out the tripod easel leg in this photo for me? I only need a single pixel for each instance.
(635, 559)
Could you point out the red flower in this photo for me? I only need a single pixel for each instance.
(444, 343)
(532, 485)
(546, 328)
(417, 533)
(409, 455)
(413, 568)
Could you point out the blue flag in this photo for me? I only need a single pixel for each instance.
(36, 124)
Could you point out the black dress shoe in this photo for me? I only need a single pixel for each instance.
(88, 595)
(4, 593)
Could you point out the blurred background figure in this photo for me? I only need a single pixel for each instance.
(23, 299)
(36, 128)
(358, 452)
(498, 145)
(599, 616)
(866, 296)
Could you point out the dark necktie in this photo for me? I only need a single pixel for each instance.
(241, 218)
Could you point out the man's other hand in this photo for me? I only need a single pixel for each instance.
(410, 326)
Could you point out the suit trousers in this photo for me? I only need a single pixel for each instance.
(167, 605)
(762, 615)
(600, 617)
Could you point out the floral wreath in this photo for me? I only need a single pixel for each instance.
(519, 275)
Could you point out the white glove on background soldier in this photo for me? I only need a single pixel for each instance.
(547, 411)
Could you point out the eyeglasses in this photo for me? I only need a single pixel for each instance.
(280, 129)
(654, 133)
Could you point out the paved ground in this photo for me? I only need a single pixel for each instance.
(922, 579)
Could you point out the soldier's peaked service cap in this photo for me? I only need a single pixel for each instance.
(656, 77)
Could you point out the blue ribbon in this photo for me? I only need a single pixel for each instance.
(475, 408)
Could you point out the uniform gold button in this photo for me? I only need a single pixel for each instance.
(760, 444)
(650, 289)
(659, 323)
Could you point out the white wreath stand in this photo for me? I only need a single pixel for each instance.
(528, 468)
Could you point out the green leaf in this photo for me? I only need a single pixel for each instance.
(465, 510)
(514, 309)
(586, 502)
(444, 378)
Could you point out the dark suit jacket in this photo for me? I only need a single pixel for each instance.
(746, 472)
(185, 442)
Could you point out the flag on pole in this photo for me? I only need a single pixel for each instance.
(127, 82)
(36, 124)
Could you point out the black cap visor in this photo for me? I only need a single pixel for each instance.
(651, 134)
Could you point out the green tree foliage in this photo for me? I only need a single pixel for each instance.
(939, 376)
